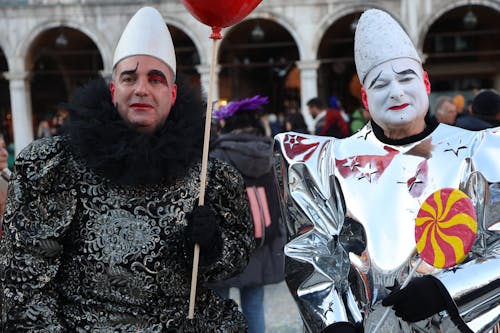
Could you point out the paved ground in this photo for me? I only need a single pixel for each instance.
(282, 315)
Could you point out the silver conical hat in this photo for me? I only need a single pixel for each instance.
(380, 38)
(146, 34)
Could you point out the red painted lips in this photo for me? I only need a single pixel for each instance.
(141, 106)
(399, 107)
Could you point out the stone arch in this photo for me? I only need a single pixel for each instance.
(283, 22)
(194, 38)
(250, 65)
(59, 58)
(441, 10)
(4, 61)
(8, 47)
(461, 59)
(329, 20)
(334, 48)
(4, 48)
(102, 44)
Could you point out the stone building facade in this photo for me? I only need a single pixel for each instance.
(31, 27)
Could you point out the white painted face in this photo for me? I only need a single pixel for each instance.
(396, 95)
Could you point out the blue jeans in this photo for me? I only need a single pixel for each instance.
(252, 305)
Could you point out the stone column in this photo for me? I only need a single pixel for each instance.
(308, 87)
(410, 11)
(204, 71)
(20, 103)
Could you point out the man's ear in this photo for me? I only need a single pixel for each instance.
(427, 83)
(112, 91)
(174, 93)
(364, 98)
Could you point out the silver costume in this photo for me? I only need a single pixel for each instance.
(350, 207)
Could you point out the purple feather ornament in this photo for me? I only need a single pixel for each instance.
(253, 103)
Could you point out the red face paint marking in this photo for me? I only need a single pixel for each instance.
(159, 78)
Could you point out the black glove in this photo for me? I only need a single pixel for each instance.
(202, 229)
(343, 327)
(421, 298)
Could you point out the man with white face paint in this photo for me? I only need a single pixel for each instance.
(101, 223)
(396, 95)
(351, 205)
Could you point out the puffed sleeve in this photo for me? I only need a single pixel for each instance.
(40, 206)
(475, 284)
(485, 154)
(226, 196)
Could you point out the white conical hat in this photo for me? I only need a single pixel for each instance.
(380, 38)
(146, 34)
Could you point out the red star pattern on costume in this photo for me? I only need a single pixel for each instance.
(366, 172)
(351, 162)
(296, 145)
(369, 167)
(412, 181)
(417, 183)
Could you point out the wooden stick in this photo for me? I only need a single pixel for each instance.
(203, 176)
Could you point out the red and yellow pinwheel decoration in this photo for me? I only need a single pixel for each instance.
(445, 228)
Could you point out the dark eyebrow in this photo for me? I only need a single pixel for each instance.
(406, 72)
(374, 80)
(130, 71)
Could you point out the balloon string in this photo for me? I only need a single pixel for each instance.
(405, 283)
(203, 176)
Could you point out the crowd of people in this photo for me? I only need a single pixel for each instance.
(101, 217)
(327, 120)
(481, 112)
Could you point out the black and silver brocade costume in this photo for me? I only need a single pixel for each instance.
(83, 253)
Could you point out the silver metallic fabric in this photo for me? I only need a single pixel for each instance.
(350, 206)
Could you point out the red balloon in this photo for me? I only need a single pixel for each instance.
(220, 13)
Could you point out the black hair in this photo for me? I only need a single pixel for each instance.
(315, 102)
(297, 121)
(242, 119)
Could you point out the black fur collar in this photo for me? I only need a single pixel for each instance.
(106, 144)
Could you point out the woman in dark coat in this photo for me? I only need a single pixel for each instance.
(243, 145)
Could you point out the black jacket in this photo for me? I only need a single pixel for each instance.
(251, 154)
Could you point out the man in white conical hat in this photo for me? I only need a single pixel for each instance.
(352, 205)
(101, 222)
